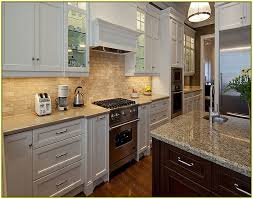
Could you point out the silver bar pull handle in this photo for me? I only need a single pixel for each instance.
(114, 127)
(101, 117)
(60, 132)
(60, 183)
(60, 155)
(241, 190)
(185, 163)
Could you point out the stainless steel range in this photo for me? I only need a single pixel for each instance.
(123, 130)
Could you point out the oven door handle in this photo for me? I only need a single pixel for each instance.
(173, 92)
(114, 127)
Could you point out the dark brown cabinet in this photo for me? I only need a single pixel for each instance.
(179, 173)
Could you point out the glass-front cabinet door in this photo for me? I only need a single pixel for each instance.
(76, 39)
(140, 62)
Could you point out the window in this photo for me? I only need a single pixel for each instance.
(141, 40)
(189, 53)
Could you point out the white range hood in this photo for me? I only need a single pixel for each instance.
(113, 38)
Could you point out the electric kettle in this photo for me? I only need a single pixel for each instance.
(78, 99)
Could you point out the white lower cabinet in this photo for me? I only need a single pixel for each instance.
(192, 102)
(18, 164)
(159, 112)
(61, 181)
(53, 167)
(143, 133)
(97, 152)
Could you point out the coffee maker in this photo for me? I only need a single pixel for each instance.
(62, 99)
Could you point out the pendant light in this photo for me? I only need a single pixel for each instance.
(199, 11)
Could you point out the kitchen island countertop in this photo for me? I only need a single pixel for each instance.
(226, 144)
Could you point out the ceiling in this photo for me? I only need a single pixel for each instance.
(183, 7)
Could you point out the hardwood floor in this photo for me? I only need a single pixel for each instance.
(134, 179)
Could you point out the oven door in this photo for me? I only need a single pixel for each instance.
(123, 144)
(176, 103)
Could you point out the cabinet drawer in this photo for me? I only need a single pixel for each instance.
(158, 116)
(60, 182)
(186, 164)
(195, 93)
(52, 157)
(159, 106)
(187, 95)
(54, 133)
(229, 183)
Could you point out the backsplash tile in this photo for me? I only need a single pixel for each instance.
(106, 80)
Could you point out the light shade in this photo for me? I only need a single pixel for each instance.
(199, 11)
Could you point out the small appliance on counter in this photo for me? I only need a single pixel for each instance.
(43, 104)
(78, 99)
(62, 99)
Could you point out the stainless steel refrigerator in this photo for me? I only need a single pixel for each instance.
(235, 54)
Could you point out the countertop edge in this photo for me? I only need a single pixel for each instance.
(205, 155)
(36, 126)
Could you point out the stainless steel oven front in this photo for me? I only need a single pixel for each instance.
(123, 144)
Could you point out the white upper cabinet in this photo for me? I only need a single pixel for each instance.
(76, 35)
(32, 39)
(18, 36)
(189, 51)
(147, 57)
(176, 37)
(234, 15)
(49, 33)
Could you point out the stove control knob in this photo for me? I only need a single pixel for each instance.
(122, 112)
(130, 111)
(117, 114)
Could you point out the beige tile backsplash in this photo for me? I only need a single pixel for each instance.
(106, 80)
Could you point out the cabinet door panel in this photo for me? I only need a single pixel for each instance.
(155, 55)
(148, 25)
(18, 160)
(100, 146)
(179, 44)
(173, 184)
(148, 54)
(142, 129)
(49, 48)
(18, 36)
(230, 16)
(155, 28)
(247, 14)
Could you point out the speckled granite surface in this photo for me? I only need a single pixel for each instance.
(225, 144)
(29, 121)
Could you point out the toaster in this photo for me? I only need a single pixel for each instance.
(43, 104)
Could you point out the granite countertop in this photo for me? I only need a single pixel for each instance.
(226, 144)
(29, 121)
(190, 89)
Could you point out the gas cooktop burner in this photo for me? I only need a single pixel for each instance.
(114, 103)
